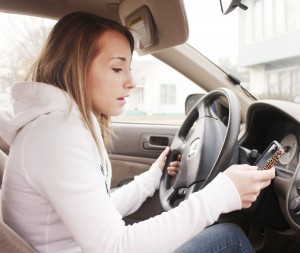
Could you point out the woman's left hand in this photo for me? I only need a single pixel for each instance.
(173, 167)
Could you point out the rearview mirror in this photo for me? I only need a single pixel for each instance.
(228, 6)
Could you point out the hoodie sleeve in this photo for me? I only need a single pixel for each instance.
(65, 172)
(129, 197)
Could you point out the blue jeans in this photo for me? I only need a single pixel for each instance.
(219, 238)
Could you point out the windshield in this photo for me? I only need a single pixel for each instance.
(260, 46)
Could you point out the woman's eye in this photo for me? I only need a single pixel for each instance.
(117, 70)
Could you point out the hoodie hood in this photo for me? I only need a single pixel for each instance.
(30, 100)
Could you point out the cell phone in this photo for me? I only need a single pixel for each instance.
(270, 156)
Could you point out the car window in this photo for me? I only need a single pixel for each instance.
(21, 40)
(160, 93)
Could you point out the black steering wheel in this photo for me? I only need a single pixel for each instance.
(206, 146)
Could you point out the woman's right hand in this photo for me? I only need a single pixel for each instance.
(249, 181)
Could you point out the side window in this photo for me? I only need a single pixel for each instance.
(160, 93)
(22, 38)
(159, 96)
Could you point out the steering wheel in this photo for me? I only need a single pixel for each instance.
(206, 146)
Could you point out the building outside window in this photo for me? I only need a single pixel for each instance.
(267, 51)
(277, 16)
(283, 83)
(167, 94)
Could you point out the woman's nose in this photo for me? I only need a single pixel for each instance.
(130, 82)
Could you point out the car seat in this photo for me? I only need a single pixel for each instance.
(10, 242)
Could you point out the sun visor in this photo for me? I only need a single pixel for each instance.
(154, 26)
(142, 27)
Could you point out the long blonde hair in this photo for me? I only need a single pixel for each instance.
(67, 57)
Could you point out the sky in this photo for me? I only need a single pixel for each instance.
(211, 32)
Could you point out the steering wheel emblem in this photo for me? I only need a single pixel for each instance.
(194, 148)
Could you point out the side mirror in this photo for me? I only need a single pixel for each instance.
(228, 6)
(217, 106)
(191, 100)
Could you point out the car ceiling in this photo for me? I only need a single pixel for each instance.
(57, 8)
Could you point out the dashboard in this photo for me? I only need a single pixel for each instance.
(267, 121)
(270, 121)
(290, 159)
(288, 135)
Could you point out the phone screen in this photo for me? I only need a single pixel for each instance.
(270, 156)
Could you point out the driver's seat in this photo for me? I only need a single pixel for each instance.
(10, 242)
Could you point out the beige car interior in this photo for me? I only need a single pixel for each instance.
(142, 16)
(158, 31)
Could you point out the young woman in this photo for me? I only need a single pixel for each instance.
(55, 190)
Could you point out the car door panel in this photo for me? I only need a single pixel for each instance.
(135, 148)
(140, 140)
(126, 167)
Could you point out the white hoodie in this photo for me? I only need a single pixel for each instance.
(54, 193)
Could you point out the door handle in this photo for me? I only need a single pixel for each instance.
(156, 142)
(149, 146)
